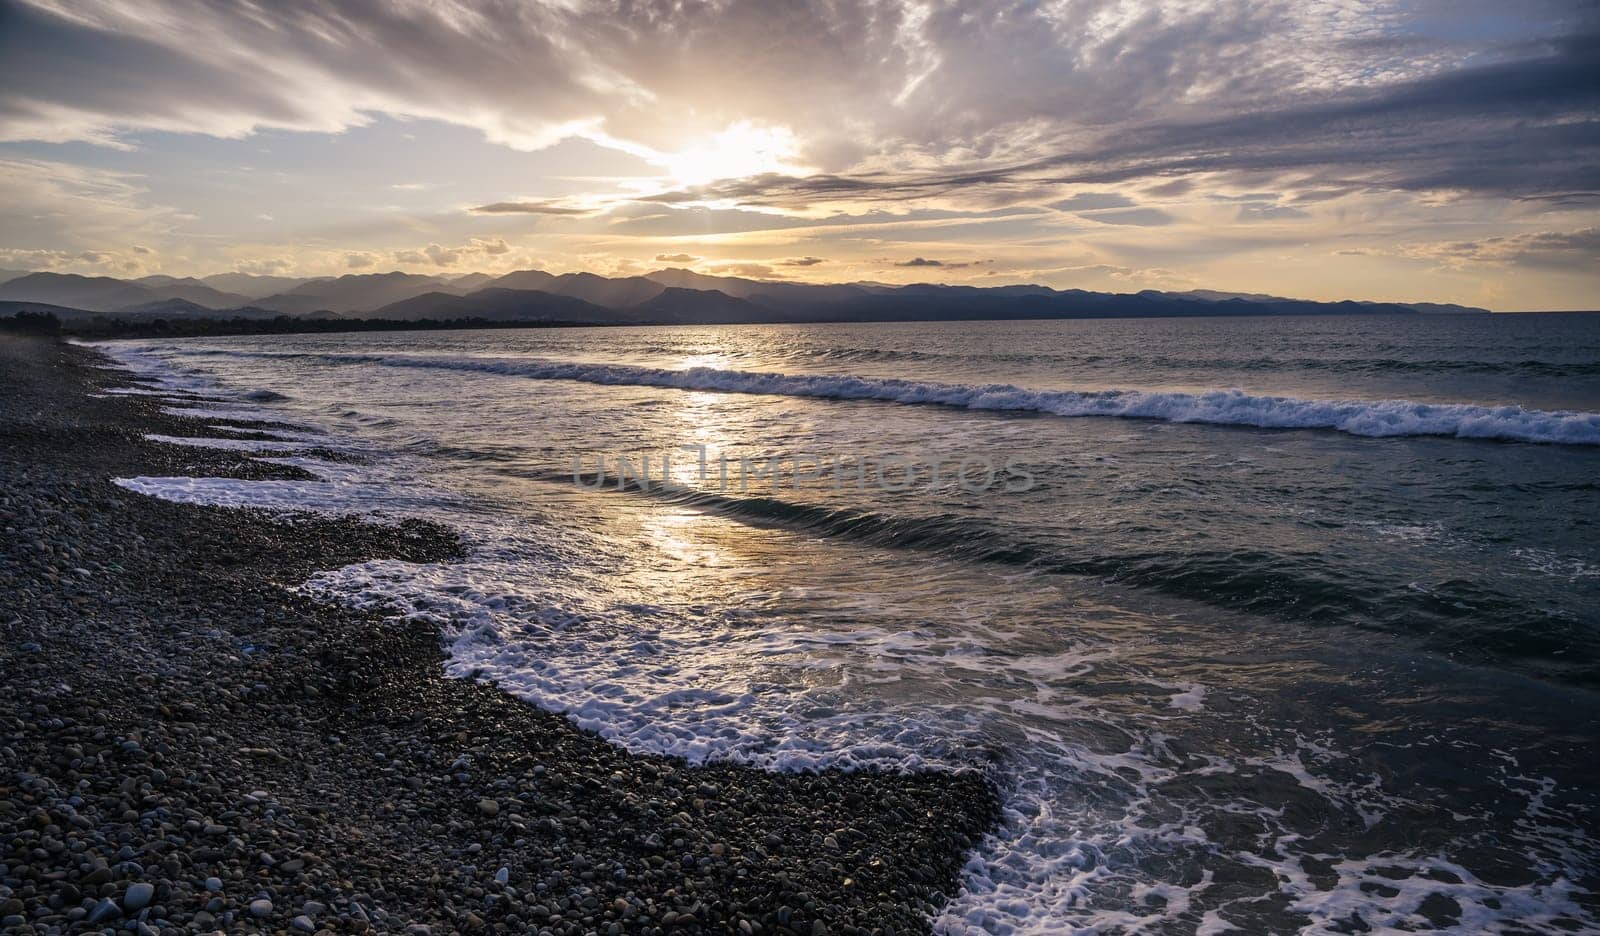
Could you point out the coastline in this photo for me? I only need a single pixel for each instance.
(186, 744)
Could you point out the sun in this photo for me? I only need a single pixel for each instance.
(743, 149)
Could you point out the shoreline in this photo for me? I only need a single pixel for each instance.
(188, 745)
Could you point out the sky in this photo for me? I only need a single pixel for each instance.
(1407, 150)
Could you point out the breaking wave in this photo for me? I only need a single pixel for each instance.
(1222, 407)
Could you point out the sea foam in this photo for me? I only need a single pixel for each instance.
(1223, 407)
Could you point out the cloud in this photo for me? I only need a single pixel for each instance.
(946, 264)
(360, 259)
(433, 253)
(1110, 277)
(802, 261)
(675, 258)
(742, 268)
(1173, 189)
(50, 205)
(1270, 213)
(1575, 251)
(1139, 217)
(1437, 131)
(891, 98)
(1089, 201)
(266, 266)
(529, 207)
(33, 259)
(441, 256)
(142, 250)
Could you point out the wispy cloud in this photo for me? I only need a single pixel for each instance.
(530, 207)
(1549, 250)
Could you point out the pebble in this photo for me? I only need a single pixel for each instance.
(104, 910)
(137, 896)
(260, 907)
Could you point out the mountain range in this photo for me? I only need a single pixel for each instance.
(669, 296)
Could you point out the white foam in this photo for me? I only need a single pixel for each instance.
(238, 413)
(337, 489)
(1226, 407)
(233, 445)
(1484, 907)
(1192, 699)
(303, 435)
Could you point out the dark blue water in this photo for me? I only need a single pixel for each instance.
(1288, 624)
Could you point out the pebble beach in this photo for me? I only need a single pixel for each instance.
(190, 744)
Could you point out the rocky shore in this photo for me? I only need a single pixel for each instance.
(187, 745)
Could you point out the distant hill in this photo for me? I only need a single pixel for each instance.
(697, 306)
(106, 294)
(1445, 308)
(522, 279)
(756, 290)
(356, 292)
(621, 293)
(7, 276)
(171, 308)
(618, 300)
(10, 307)
(251, 284)
(669, 296)
(470, 282)
(1426, 308)
(500, 305)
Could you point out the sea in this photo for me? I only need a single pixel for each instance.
(1257, 624)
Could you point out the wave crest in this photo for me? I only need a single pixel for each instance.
(1223, 407)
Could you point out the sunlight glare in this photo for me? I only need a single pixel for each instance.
(743, 149)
